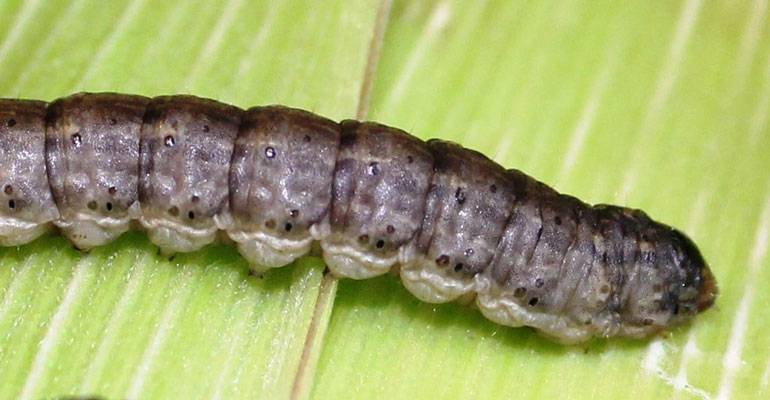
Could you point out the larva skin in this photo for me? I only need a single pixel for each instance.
(94, 181)
(280, 178)
(379, 191)
(27, 205)
(275, 179)
(185, 148)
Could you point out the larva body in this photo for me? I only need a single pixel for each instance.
(275, 180)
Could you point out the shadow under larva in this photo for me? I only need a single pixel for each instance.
(274, 180)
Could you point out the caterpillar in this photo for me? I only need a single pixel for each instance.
(275, 181)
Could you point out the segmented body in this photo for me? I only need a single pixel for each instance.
(275, 179)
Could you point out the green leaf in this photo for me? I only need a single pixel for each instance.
(662, 106)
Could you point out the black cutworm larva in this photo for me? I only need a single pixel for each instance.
(276, 179)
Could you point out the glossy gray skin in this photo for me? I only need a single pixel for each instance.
(184, 161)
(92, 147)
(276, 179)
(378, 198)
(27, 208)
(280, 183)
(468, 204)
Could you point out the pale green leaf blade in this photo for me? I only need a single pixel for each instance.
(661, 106)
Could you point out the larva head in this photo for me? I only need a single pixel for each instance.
(674, 283)
(697, 285)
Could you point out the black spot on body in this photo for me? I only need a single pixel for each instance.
(460, 196)
(533, 301)
(11, 123)
(287, 227)
(380, 244)
(374, 169)
(11, 204)
(190, 215)
(76, 139)
(493, 188)
(650, 257)
(109, 206)
(458, 267)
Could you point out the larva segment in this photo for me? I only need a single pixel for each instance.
(280, 183)
(546, 272)
(26, 207)
(622, 230)
(92, 148)
(597, 299)
(379, 190)
(540, 257)
(616, 242)
(468, 203)
(185, 151)
(573, 323)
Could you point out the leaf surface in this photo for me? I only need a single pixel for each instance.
(662, 106)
